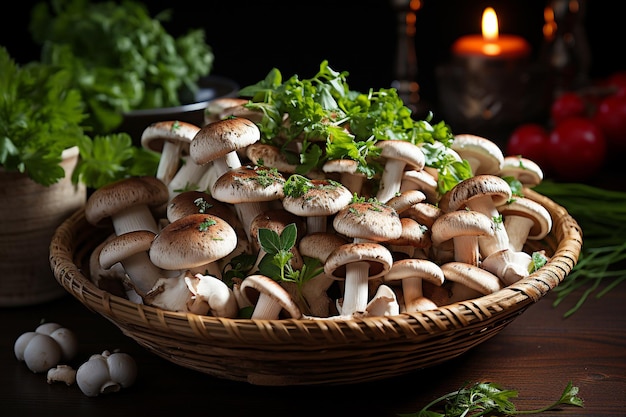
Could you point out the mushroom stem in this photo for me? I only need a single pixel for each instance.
(135, 217)
(390, 180)
(356, 288)
(266, 308)
(169, 160)
(142, 272)
(187, 177)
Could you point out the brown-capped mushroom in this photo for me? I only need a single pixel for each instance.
(219, 142)
(320, 200)
(171, 138)
(216, 107)
(249, 189)
(131, 251)
(270, 156)
(368, 221)
(127, 203)
(194, 242)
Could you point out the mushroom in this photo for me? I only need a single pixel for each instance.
(424, 213)
(45, 347)
(172, 139)
(349, 176)
(113, 280)
(270, 300)
(406, 199)
(216, 107)
(314, 200)
(127, 203)
(510, 266)
(106, 373)
(61, 373)
(174, 294)
(411, 273)
(383, 303)
(319, 246)
(356, 264)
(194, 242)
(522, 169)
(218, 143)
(464, 228)
(423, 181)
(199, 202)
(525, 219)
(399, 155)
(471, 276)
(248, 188)
(368, 221)
(483, 155)
(218, 297)
(131, 251)
(414, 240)
(270, 156)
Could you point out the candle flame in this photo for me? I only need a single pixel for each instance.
(490, 25)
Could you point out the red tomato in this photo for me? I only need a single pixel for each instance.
(577, 149)
(530, 140)
(568, 104)
(611, 117)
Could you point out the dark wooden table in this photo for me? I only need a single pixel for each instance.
(537, 355)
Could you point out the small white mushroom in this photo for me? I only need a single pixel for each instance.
(46, 347)
(62, 373)
(106, 373)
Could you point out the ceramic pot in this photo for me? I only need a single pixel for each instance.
(29, 215)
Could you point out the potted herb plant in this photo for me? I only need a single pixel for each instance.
(126, 64)
(47, 163)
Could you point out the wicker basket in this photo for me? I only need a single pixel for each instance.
(308, 352)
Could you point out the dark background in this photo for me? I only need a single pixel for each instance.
(359, 36)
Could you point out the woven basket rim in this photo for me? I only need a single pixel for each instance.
(132, 317)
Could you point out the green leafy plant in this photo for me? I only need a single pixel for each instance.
(119, 56)
(601, 214)
(42, 114)
(488, 399)
(321, 108)
(276, 263)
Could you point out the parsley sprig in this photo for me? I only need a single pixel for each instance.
(488, 399)
(331, 121)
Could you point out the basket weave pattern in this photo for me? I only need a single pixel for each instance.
(306, 352)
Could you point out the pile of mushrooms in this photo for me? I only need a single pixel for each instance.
(399, 248)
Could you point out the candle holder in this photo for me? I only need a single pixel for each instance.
(491, 98)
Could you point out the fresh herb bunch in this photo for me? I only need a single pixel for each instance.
(42, 114)
(334, 122)
(601, 214)
(488, 399)
(119, 56)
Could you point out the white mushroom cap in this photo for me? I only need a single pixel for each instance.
(171, 138)
(127, 204)
(524, 170)
(269, 298)
(192, 241)
(525, 219)
(483, 155)
(472, 276)
(399, 155)
(368, 221)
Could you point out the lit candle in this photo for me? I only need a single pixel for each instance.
(491, 45)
